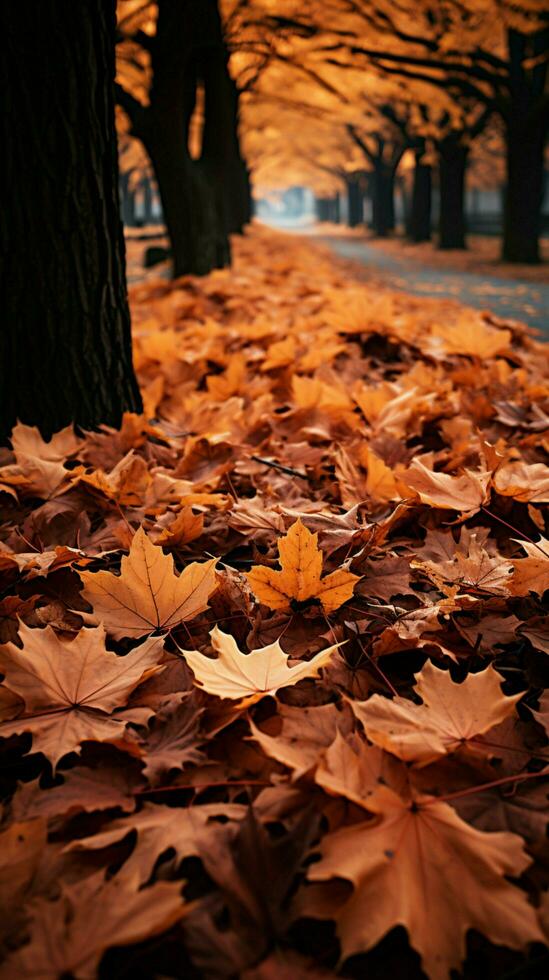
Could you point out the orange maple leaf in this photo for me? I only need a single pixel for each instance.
(300, 579)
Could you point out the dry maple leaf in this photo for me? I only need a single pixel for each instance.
(531, 574)
(21, 847)
(148, 595)
(249, 676)
(523, 482)
(300, 580)
(82, 789)
(469, 336)
(71, 687)
(68, 937)
(302, 734)
(172, 739)
(464, 493)
(419, 865)
(28, 440)
(160, 827)
(450, 714)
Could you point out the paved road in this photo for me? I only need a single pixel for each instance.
(515, 299)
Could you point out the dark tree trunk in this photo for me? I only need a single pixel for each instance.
(65, 343)
(419, 222)
(202, 200)
(220, 157)
(147, 201)
(453, 156)
(323, 208)
(523, 193)
(526, 121)
(336, 209)
(354, 202)
(191, 210)
(127, 201)
(383, 199)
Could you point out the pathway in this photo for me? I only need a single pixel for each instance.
(512, 299)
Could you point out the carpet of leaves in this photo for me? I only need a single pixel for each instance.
(274, 653)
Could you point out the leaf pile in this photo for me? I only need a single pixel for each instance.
(274, 653)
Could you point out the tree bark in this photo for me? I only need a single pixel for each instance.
(523, 192)
(65, 344)
(127, 201)
(526, 116)
(202, 200)
(354, 202)
(419, 223)
(147, 201)
(383, 205)
(453, 154)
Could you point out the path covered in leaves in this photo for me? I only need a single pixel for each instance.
(274, 653)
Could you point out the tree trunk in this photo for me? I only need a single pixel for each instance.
(526, 117)
(419, 223)
(190, 203)
(128, 201)
(147, 201)
(65, 344)
(191, 210)
(523, 192)
(220, 157)
(523, 195)
(452, 168)
(322, 207)
(383, 206)
(354, 202)
(336, 209)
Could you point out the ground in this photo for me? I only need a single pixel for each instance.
(274, 652)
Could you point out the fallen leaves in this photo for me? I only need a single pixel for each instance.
(464, 493)
(70, 690)
(300, 582)
(312, 686)
(450, 714)
(420, 855)
(148, 595)
(70, 935)
(251, 676)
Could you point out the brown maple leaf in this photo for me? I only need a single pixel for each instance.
(69, 936)
(449, 715)
(531, 574)
(160, 827)
(417, 864)
(148, 595)
(465, 493)
(71, 688)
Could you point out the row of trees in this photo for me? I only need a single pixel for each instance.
(417, 75)
(330, 85)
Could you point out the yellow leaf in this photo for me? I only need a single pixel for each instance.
(252, 676)
(380, 481)
(300, 579)
(148, 595)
